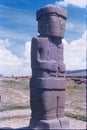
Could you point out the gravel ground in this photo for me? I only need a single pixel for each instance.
(20, 118)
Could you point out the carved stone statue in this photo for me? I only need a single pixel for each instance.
(47, 85)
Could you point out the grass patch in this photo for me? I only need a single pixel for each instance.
(18, 85)
(76, 116)
(17, 116)
(75, 87)
(14, 107)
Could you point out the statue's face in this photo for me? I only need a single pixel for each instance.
(51, 25)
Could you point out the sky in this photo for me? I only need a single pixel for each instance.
(18, 25)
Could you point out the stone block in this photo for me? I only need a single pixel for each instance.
(47, 104)
(56, 124)
(51, 21)
(47, 85)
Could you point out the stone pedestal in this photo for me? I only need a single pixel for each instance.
(55, 124)
(47, 85)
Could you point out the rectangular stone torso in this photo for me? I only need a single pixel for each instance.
(47, 56)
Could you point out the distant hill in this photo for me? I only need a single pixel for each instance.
(77, 73)
(1, 75)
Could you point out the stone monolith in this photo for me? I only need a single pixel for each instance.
(47, 85)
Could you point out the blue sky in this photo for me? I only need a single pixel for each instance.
(18, 25)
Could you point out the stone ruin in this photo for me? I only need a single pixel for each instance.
(47, 85)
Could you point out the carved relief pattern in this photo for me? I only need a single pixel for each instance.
(47, 85)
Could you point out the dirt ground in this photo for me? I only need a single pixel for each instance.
(15, 94)
(20, 118)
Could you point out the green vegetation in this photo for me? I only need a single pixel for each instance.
(15, 94)
(16, 116)
(16, 84)
(75, 105)
(14, 107)
(76, 116)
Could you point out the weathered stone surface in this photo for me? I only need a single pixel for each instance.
(47, 57)
(47, 85)
(54, 124)
(51, 21)
(48, 104)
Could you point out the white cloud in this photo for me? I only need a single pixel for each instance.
(75, 53)
(27, 55)
(27, 51)
(4, 43)
(78, 3)
(11, 64)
